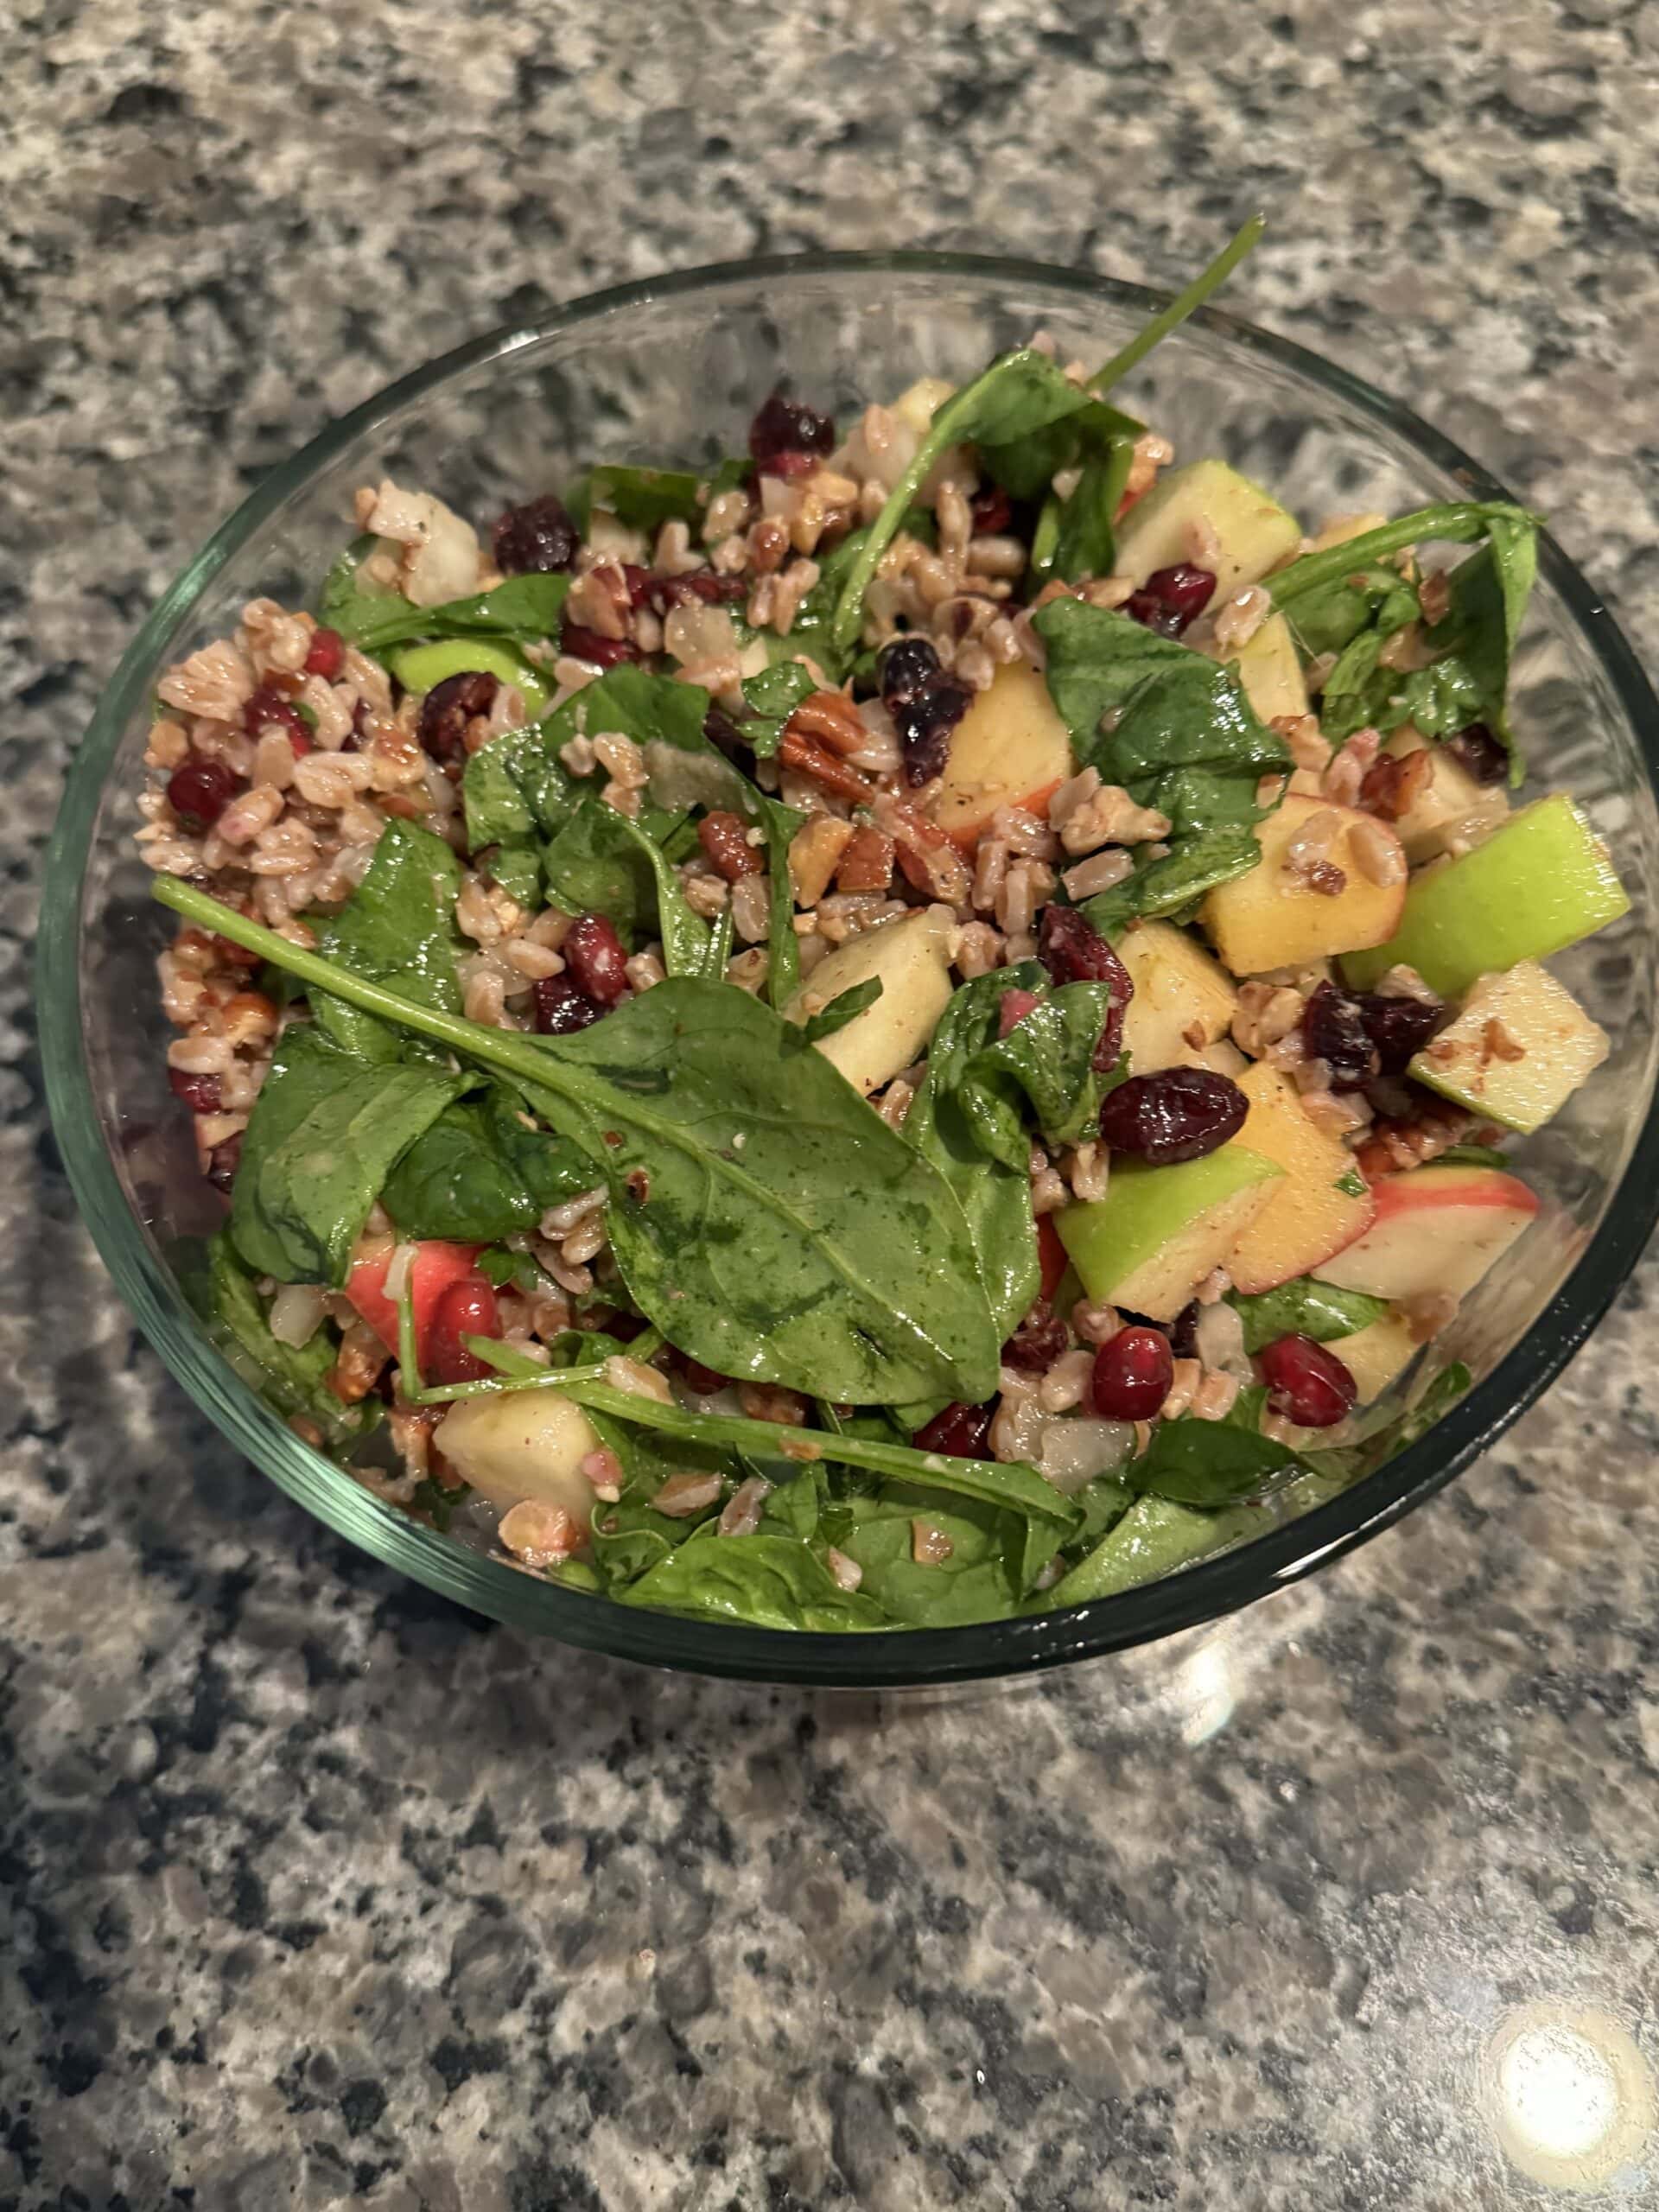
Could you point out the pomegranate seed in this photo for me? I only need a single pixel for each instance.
(596, 958)
(199, 1092)
(448, 708)
(601, 652)
(1152, 614)
(963, 1431)
(561, 1008)
(908, 666)
(993, 511)
(538, 538)
(1013, 1008)
(1480, 753)
(327, 654)
(467, 1308)
(1176, 1114)
(1037, 1342)
(784, 427)
(1133, 1372)
(1184, 590)
(201, 791)
(1307, 1382)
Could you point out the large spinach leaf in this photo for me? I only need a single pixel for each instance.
(1305, 1308)
(764, 1581)
(291, 1379)
(1209, 1463)
(398, 928)
(597, 862)
(524, 609)
(479, 1174)
(976, 1581)
(1047, 1062)
(1174, 884)
(326, 1130)
(761, 1215)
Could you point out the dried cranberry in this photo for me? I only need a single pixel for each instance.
(993, 511)
(448, 709)
(1133, 1372)
(224, 1160)
(1480, 753)
(268, 705)
(1398, 1027)
(1333, 1030)
(723, 733)
(561, 1008)
(1074, 951)
(963, 1431)
(201, 791)
(1307, 1382)
(1176, 1114)
(924, 723)
(787, 426)
(538, 538)
(327, 656)
(1037, 1342)
(199, 1092)
(597, 962)
(588, 646)
(703, 585)
(466, 1308)
(908, 666)
(1183, 1330)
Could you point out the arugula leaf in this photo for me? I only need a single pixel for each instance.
(1305, 1308)
(477, 1174)
(525, 609)
(1048, 1058)
(857, 1000)
(291, 1379)
(326, 1130)
(1209, 1463)
(398, 928)
(645, 498)
(822, 1251)
(768, 1581)
(993, 1194)
(771, 697)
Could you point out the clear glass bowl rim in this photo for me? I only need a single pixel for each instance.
(900, 1658)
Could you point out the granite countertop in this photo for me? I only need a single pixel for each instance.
(314, 1887)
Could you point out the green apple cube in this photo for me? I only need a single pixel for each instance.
(422, 668)
(1254, 531)
(1537, 884)
(1158, 1231)
(1518, 1050)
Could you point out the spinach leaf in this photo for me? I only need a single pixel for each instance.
(525, 609)
(598, 863)
(719, 947)
(781, 823)
(1384, 1432)
(1086, 543)
(630, 1536)
(516, 784)
(398, 928)
(326, 1130)
(1186, 303)
(771, 697)
(1026, 465)
(1176, 882)
(291, 1379)
(1305, 1308)
(510, 1270)
(479, 1174)
(776, 1228)
(645, 498)
(1047, 1058)
(1473, 1155)
(993, 1194)
(976, 1582)
(839, 1011)
(768, 1581)
(684, 936)
(1209, 1463)
(1155, 1537)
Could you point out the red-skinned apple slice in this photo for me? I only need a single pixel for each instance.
(1009, 749)
(1436, 1228)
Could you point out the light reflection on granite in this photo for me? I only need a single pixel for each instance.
(313, 1889)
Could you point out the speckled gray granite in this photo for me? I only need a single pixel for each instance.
(312, 1888)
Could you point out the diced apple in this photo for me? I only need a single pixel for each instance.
(1269, 667)
(1254, 532)
(1009, 749)
(1309, 1216)
(1518, 1051)
(1184, 1000)
(1538, 884)
(1223, 1058)
(1437, 1229)
(1445, 801)
(434, 1268)
(524, 1444)
(911, 957)
(1158, 1231)
(421, 667)
(1374, 1355)
(1274, 917)
(918, 402)
(1342, 529)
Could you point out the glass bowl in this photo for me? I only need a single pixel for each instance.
(670, 371)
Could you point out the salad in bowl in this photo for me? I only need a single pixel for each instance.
(918, 1027)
